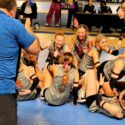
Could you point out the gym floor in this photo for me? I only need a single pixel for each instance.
(37, 112)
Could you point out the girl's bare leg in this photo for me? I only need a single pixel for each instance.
(91, 83)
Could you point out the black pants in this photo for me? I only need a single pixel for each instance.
(90, 100)
(71, 13)
(8, 110)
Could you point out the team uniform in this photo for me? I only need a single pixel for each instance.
(79, 47)
(106, 69)
(91, 102)
(25, 75)
(52, 49)
(54, 95)
(87, 62)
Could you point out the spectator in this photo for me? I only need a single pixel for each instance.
(104, 8)
(71, 11)
(29, 9)
(54, 10)
(12, 38)
(121, 15)
(89, 8)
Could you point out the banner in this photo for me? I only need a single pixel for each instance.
(67, 4)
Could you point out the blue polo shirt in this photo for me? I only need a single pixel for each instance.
(12, 36)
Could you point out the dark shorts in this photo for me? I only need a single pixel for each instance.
(8, 109)
(90, 100)
(81, 73)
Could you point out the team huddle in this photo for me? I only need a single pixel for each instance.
(59, 71)
(74, 69)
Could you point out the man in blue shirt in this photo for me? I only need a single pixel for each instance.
(13, 36)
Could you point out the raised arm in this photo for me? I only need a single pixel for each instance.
(34, 48)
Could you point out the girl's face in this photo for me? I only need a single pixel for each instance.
(59, 41)
(123, 6)
(102, 44)
(81, 33)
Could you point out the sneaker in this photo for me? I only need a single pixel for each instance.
(81, 96)
(46, 24)
(41, 95)
(81, 100)
(57, 25)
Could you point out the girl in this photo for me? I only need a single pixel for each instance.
(94, 100)
(57, 47)
(59, 80)
(91, 59)
(80, 43)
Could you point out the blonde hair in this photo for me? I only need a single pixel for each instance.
(100, 37)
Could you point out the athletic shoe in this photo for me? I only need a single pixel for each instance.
(57, 25)
(46, 24)
(81, 96)
(41, 95)
(81, 100)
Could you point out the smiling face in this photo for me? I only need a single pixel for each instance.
(101, 41)
(81, 33)
(102, 44)
(59, 41)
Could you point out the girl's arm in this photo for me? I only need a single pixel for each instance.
(111, 51)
